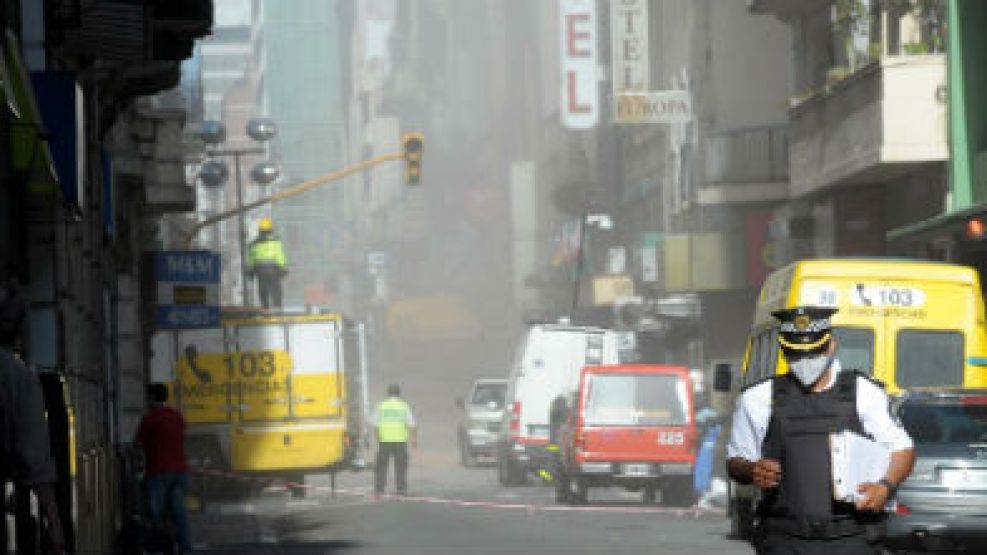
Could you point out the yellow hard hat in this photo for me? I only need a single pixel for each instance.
(265, 225)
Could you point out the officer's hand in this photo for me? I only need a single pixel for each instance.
(873, 497)
(767, 473)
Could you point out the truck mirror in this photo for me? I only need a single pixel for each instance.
(722, 377)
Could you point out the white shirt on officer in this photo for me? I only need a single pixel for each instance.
(750, 420)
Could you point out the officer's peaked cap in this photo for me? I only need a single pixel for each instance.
(804, 328)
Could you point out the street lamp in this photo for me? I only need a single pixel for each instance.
(599, 220)
(214, 173)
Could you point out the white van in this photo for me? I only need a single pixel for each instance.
(546, 365)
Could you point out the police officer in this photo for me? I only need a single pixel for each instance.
(779, 443)
(395, 425)
(266, 262)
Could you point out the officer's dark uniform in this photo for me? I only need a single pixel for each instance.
(800, 515)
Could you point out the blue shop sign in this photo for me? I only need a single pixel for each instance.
(187, 266)
(187, 290)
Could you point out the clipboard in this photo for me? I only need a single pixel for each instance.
(855, 460)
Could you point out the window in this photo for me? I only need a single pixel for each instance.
(771, 367)
(856, 348)
(641, 400)
(768, 349)
(753, 362)
(945, 421)
(929, 358)
(487, 394)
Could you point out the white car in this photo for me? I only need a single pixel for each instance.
(483, 410)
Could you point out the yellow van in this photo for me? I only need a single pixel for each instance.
(907, 323)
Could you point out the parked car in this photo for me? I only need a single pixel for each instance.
(943, 503)
(483, 410)
(546, 365)
(631, 426)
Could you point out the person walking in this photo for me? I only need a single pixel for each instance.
(266, 262)
(25, 448)
(162, 435)
(395, 426)
(780, 443)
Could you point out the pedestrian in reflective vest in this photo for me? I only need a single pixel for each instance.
(266, 262)
(395, 426)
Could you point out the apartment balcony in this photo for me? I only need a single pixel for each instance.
(745, 165)
(877, 123)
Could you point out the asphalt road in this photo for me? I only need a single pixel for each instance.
(453, 510)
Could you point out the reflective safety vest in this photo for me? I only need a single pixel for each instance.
(392, 421)
(266, 251)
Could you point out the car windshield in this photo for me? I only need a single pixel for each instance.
(488, 394)
(625, 399)
(954, 420)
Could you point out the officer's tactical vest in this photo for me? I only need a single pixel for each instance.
(798, 437)
(392, 421)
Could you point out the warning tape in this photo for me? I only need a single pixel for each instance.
(682, 512)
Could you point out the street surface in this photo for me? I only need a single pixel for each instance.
(453, 510)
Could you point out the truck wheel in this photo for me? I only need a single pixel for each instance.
(581, 495)
(650, 495)
(297, 488)
(563, 488)
(508, 472)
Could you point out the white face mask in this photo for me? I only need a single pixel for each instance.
(807, 370)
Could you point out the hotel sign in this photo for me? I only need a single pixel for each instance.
(653, 107)
(580, 102)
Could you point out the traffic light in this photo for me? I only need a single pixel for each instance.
(414, 143)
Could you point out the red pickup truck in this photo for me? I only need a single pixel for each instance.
(633, 426)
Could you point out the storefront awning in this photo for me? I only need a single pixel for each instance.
(29, 152)
(943, 224)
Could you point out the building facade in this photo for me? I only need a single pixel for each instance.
(92, 164)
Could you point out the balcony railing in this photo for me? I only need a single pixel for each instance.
(748, 155)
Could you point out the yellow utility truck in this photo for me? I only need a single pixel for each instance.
(276, 394)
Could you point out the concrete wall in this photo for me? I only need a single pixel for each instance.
(750, 57)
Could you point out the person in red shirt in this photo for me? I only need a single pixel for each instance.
(162, 434)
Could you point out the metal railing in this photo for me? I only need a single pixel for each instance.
(747, 155)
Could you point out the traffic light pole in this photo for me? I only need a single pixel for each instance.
(293, 191)
(244, 287)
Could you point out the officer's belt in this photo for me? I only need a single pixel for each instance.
(813, 529)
